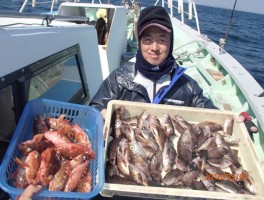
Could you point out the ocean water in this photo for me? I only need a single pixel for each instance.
(245, 41)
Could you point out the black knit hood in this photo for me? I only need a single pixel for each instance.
(155, 16)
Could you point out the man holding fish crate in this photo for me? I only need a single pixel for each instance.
(154, 78)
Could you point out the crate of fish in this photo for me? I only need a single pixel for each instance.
(58, 145)
(176, 152)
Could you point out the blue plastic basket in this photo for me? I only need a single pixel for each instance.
(88, 118)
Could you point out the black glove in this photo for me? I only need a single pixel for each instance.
(251, 127)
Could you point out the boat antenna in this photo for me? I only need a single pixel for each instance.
(222, 41)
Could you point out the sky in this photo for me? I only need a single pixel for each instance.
(255, 6)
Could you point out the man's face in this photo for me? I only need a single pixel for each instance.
(155, 45)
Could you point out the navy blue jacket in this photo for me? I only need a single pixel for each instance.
(119, 85)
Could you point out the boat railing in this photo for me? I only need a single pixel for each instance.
(171, 4)
(180, 9)
(33, 3)
(46, 19)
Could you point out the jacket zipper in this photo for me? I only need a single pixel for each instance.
(154, 90)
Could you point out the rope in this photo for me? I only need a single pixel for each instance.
(187, 53)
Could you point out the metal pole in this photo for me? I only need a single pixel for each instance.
(196, 18)
(182, 14)
(170, 4)
(190, 5)
(156, 2)
(23, 6)
(52, 5)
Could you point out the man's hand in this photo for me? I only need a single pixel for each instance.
(29, 191)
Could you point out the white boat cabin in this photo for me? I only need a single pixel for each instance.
(57, 59)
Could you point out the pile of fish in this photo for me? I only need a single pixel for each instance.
(56, 157)
(168, 151)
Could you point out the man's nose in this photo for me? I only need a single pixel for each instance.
(155, 45)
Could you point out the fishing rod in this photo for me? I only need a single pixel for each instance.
(222, 41)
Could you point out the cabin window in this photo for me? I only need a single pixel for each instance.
(61, 82)
(58, 77)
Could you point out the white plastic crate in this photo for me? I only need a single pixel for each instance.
(248, 156)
